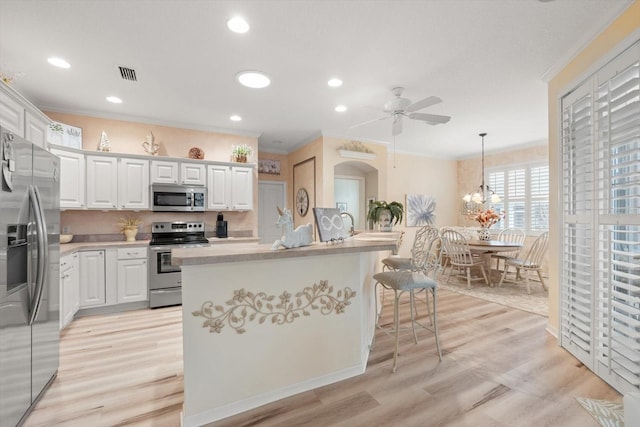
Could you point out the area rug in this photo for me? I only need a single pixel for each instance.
(607, 414)
(512, 295)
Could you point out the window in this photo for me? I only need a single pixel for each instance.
(525, 196)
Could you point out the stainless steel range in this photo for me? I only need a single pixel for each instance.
(165, 279)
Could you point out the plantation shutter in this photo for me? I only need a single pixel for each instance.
(539, 199)
(600, 301)
(577, 187)
(517, 189)
(617, 117)
(496, 183)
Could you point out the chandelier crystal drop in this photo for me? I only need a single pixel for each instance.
(483, 193)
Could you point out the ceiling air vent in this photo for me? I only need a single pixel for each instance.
(128, 73)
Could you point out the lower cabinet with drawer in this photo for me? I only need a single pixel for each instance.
(132, 275)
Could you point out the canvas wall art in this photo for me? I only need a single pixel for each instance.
(421, 210)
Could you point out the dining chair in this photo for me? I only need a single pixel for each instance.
(531, 262)
(457, 249)
(423, 263)
(509, 235)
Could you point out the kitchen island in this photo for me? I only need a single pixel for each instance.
(260, 325)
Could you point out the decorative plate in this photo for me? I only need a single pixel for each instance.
(196, 153)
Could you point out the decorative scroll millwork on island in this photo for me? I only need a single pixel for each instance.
(247, 306)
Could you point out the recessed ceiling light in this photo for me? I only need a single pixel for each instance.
(253, 79)
(238, 25)
(235, 118)
(335, 82)
(114, 99)
(340, 108)
(58, 62)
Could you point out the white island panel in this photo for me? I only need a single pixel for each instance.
(229, 372)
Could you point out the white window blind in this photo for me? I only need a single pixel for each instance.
(600, 276)
(525, 196)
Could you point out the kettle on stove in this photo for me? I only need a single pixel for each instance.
(221, 227)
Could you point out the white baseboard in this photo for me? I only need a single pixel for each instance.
(234, 408)
(553, 331)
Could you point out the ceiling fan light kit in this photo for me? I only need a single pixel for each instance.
(400, 107)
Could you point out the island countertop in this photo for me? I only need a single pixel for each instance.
(256, 252)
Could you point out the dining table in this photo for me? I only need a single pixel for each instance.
(485, 248)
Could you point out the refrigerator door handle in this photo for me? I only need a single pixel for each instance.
(43, 252)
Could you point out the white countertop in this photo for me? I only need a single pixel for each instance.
(252, 252)
(69, 248)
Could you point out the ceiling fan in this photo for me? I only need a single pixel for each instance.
(400, 107)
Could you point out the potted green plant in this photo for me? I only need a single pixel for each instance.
(385, 214)
(241, 152)
(129, 227)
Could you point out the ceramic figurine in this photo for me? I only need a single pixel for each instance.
(104, 144)
(150, 145)
(301, 236)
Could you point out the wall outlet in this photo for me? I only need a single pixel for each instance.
(66, 230)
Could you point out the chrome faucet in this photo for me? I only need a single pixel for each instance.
(353, 221)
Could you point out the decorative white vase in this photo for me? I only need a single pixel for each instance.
(384, 224)
(484, 234)
(130, 234)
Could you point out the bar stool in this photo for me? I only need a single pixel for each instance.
(425, 234)
(423, 261)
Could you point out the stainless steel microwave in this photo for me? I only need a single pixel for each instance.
(177, 198)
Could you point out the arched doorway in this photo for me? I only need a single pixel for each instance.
(355, 183)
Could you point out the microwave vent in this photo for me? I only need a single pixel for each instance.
(128, 73)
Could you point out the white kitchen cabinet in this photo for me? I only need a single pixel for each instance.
(218, 187)
(186, 173)
(11, 113)
(241, 188)
(132, 275)
(69, 289)
(35, 129)
(117, 183)
(164, 172)
(72, 179)
(20, 117)
(102, 182)
(92, 278)
(229, 188)
(193, 174)
(133, 183)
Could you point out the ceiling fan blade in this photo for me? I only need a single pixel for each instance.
(432, 119)
(368, 121)
(427, 102)
(397, 126)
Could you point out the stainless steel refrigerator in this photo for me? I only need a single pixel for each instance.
(29, 275)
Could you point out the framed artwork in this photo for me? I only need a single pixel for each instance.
(330, 225)
(65, 135)
(421, 210)
(269, 166)
(342, 206)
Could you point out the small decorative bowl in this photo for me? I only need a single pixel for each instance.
(66, 238)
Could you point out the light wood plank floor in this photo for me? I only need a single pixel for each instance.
(499, 368)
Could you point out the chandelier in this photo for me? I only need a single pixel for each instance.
(483, 193)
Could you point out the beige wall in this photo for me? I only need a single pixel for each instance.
(623, 27)
(284, 167)
(304, 176)
(126, 138)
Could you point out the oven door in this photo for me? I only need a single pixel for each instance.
(161, 273)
